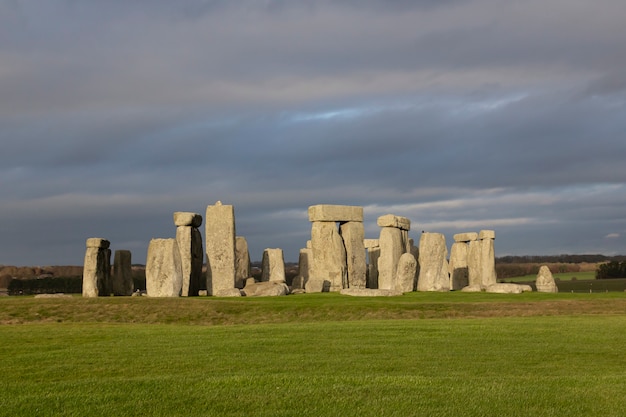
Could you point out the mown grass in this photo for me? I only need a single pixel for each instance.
(431, 354)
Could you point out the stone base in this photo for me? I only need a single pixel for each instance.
(369, 292)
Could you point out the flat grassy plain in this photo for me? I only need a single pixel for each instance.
(430, 354)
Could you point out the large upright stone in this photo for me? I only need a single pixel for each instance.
(352, 234)
(459, 274)
(96, 267)
(189, 242)
(273, 265)
(433, 274)
(545, 281)
(373, 254)
(242, 262)
(391, 249)
(328, 268)
(487, 258)
(405, 279)
(473, 264)
(164, 272)
(333, 213)
(303, 269)
(220, 248)
(122, 278)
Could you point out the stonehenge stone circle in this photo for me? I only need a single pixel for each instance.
(164, 273)
(122, 277)
(433, 252)
(273, 265)
(97, 268)
(189, 242)
(545, 281)
(220, 247)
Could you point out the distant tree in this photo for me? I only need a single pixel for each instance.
(613, 269)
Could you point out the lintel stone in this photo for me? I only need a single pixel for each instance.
(333, 213)
(389, 220)
(98, 242)
(371, 243)
(486, 234)
(185, 218)
(465, 237)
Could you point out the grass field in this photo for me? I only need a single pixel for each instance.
(450, 354)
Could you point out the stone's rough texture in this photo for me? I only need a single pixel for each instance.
(370, 292)
(328, 268)
(303, 267)
(98, 242)
(391, 249)
(390, 220)
(433, 274)
(122, 279)
(164, 272)
(273, 265)
(228, 292)
(545, 281)
(504, 289)
(242, 261)
(405, 275)
(57, 295)
(370, 243)
(487, 263)
(472, 288)
(473, 263)
(185, 218)
(189, 242)
(526, 288)
(459, 275)
(486, 234)
(352, 234)
(372, 267)
(220, 247)
(265, 289)
(297, 283)
(465, 237)
(331, 213)
(97, 268)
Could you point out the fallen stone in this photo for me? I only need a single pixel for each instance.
(472, 288)
(526, 288)
(228, 292)
(545, 281)
(334, 213)
(390, 220)
(370, 292)
(504, 288)
(185, 218)
(266, 289)
(57, 295)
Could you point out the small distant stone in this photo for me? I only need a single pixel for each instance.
(57, 295)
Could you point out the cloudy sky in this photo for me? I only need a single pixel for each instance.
(458, 114)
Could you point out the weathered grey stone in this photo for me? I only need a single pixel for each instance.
(185, 218)
(370, 292)
(473, 264)
(273, 265)
(373, 254)
(526, 288)
(405, 274)
(545, 281)
(304, 266)
(391, 249)
(297, 283)
(220, 247)
(328, 267)
(370, 243)
(97, 268)
(228, 292)
(466, 237)
(189, 242)
(242, 261)
(504, 288)
(266, 289)
(333, 213)
(433, 252)
(56, 295)
(352, 234)
(472, 288)
(459, 275)
(486, 234)
(122, 278)
(164, 271)
(313, 286)
(487, 262)
(390, 220)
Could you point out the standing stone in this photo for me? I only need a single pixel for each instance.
(473, 264)
(273, 265)
(391, 249)
(96, 267)
(303, 269)
(242, 262)
(433, 274)
(405, 280)
(487, 258)
(459, 274)
(122, 279)
(164, 272)
(189, 242)
(352, 234)
(372, 268)
(220, 248)
(328, 269)
(545, 281)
